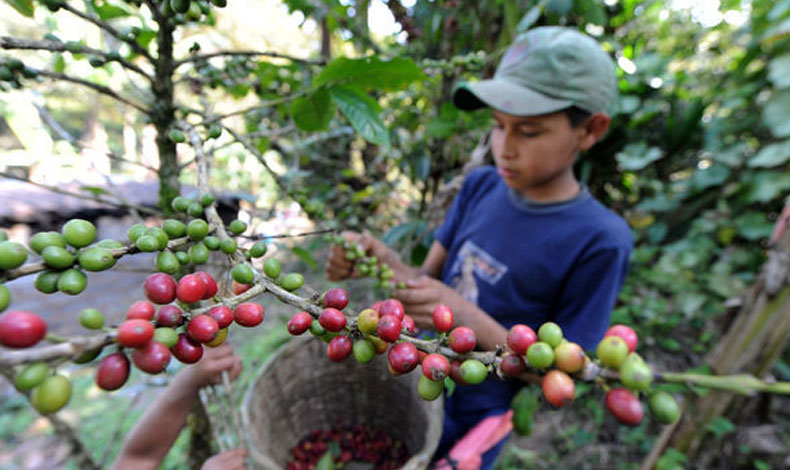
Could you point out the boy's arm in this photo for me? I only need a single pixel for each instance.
(154, 434)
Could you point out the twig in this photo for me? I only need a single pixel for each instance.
(32, 268)
(218, 438)
(7, 42)
(199, 57)
(72, 348)
(659, 445)
(94, 198)
(264, 105)
(109, 29)
(116, 433)
(78, 450)
(221, 414)
(288, 235)
(93, 86)
(261, 133)
(231, 402)
(254, 151)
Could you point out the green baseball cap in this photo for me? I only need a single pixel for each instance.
(545, 70)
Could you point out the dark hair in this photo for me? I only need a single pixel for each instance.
(576, 115)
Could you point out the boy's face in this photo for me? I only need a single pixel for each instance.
(535, 154)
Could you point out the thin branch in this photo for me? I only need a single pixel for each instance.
(7, 42)
(63, 429)
(115, 437)
(72, 348)
(109, 29)
(288, 235)
(264, 105)
(268, 133)
(55, 189)
(251, 148)
(32, 268)
(98, 88)
(199, 57)
(155, 11)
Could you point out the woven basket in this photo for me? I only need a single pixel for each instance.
(299, 390)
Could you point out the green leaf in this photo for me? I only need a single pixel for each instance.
(95, 190)
(145, 37)
(362, 112)
(398, 232)
(107, 11)
(559, 7)
(712, 176)
(313, 112)
(305, 256)
(637, 156)
(326, 462)
(720, 426)
(529, 18)
(776, 113)
(370, 73)
(771, 155)
(779, 71)
(767, 185)
(753, 226)
(24, 7)
(60, 63)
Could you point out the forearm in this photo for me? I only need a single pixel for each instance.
(156, 431)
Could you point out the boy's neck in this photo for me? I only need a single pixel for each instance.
(560, 190)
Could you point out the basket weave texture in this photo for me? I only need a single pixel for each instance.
(299, 390)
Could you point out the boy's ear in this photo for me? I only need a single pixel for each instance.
(594, 128)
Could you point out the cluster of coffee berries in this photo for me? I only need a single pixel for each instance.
(367, 266)
(152, 331)
(343, 444)
(66, 256)
(616, 351)
(154, 335)
(547, 351)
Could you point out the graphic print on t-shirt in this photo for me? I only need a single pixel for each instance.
(471, 261)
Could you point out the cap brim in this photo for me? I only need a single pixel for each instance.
(505, 96)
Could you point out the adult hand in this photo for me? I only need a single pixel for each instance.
(424, 294)
(228, 460)
(208, 370)
(340, 268)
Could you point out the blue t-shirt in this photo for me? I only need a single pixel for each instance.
(530, 263)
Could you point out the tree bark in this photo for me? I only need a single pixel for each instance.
(163, 115)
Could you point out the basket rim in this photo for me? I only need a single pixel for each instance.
(434, 410)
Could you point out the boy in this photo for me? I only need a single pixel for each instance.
(524, 242)
(154, 434)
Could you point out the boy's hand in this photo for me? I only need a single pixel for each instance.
(208, 370)
(423, 295)
(339, 267)
(228, 460)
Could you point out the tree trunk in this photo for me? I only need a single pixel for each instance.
(751, 345)
(163, 115)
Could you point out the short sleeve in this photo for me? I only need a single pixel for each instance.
(585, 304)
